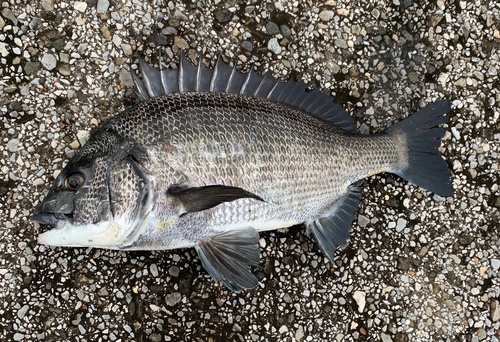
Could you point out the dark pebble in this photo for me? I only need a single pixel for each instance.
(465, 240)
(161, 40)
(285, 31)
(223, 15)
(58, 44)
(247, 46)
(15, 106)
(403, 264)
(32, 67)
(174, 22)
(272, 28)
(81, 96)
(169, 31)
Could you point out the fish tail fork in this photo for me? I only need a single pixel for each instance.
(418, 139)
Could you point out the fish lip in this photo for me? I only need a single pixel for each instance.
(50, 219)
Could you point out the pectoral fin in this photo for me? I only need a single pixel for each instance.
(227, 256)
(206, 197)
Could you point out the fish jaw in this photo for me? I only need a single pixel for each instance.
(105, 234)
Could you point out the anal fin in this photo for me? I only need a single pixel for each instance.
(227, 256)
(333, 231)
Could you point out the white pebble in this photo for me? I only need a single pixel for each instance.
(80, 6)
(360, 298)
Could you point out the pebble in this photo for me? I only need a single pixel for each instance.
(274, 46)
(286, 31)
(12, 145)
(127, 49)
(455, 133)
(173, 298)
(360, 298)
(364, 129)
(495, 311)
(272, 28)
(181, 43)
(443, 78)
(341, 43)
(326, 15)
(356, 29)
(125, 78)
(247, 45)
(22, 311)
(10, 88)
(401, 224)
(495, 264)
(363, 221)
(117, 40)
(179, 15)
(333, 67)
(47, 5)
(154, 270)
(25, 90)
(3, 47)
(102, 6)
(174, 271)
(105, 32)
(343, 11)
(83, 136)
(169, 31)
(223, 15)
(7, 13)
(49, 62)
(385, 337)
(80, 6)
(64, 69)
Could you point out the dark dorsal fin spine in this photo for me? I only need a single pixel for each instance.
(224, 79)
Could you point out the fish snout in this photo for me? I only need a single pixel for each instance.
(45, 218)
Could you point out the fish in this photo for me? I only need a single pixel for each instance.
(210, 157)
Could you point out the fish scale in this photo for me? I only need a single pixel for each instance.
(211, 157)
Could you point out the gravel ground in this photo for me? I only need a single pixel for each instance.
(419, 267)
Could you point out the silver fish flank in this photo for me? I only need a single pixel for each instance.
(210, 157)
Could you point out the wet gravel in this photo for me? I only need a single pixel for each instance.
(419, 267)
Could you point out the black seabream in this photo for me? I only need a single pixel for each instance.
(210, 157)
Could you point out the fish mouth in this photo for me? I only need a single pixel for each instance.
(50, 219)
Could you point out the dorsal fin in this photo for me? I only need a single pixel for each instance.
(224, 79)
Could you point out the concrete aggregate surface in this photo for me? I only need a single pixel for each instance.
(419, 267)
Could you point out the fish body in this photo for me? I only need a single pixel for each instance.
(202, 166)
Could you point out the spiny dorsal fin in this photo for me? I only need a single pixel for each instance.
(187, 75)
(224, 79)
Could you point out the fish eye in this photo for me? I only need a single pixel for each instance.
(74, 182)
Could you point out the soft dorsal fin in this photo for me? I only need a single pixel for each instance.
(224, 79)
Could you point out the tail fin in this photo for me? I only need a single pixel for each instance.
(425, 166)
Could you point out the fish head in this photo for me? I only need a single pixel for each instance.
(98, 200)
